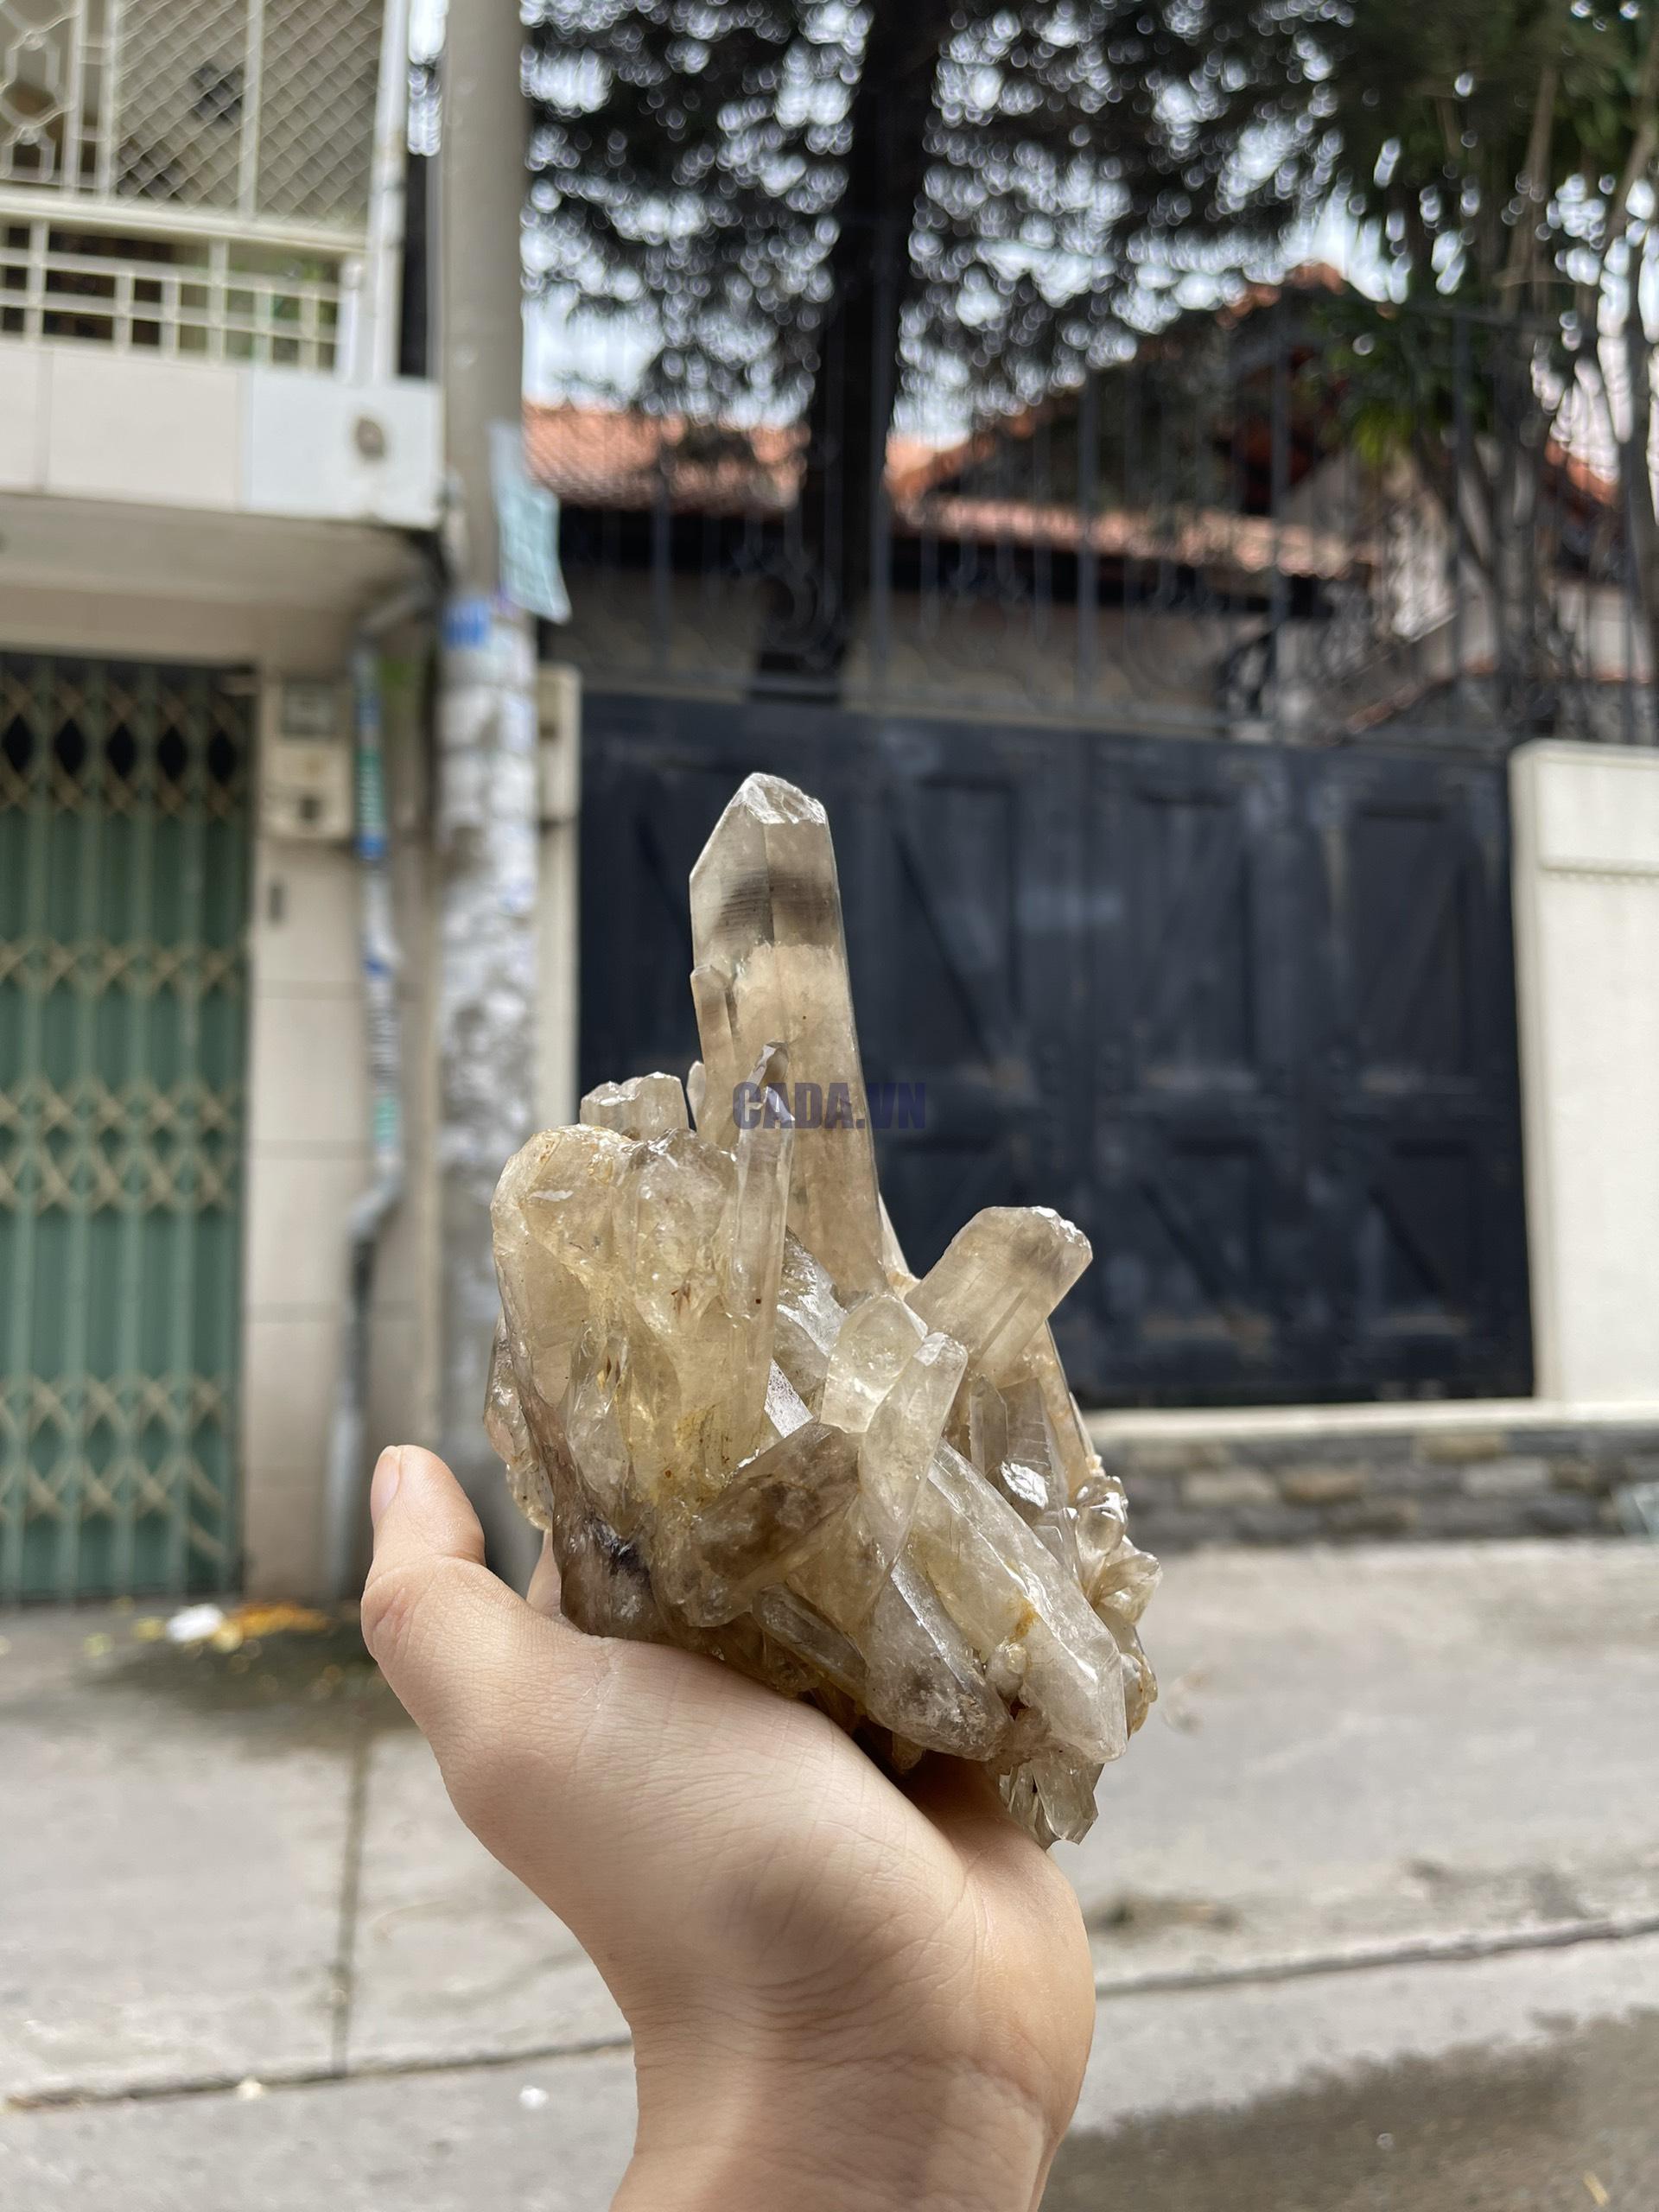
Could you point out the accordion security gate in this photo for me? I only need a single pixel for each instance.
(123, 849)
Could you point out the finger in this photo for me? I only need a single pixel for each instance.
(543, 1595)
(480, 1673)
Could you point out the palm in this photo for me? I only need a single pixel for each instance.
(740, 1872)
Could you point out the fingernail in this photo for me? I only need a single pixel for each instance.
(388, 1473)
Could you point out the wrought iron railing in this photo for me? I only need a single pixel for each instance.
(1294, 517)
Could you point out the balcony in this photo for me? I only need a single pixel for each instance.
(193, 178)
(200, 236)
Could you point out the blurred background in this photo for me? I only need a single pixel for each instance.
(1177, 480)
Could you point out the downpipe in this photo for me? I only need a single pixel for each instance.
(381, 960)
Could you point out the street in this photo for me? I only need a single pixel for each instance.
(1375, 1902)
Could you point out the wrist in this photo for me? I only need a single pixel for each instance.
(726, 2126)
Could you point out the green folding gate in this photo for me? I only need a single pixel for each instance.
(123, 849)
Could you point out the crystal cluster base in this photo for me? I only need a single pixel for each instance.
(753, 1434)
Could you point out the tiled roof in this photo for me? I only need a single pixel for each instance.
(610, 458)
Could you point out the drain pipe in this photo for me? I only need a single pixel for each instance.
(343, 1493)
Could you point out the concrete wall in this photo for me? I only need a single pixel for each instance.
(87, 423)
(1586, 913)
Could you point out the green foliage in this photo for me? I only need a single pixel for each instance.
(1436, 125)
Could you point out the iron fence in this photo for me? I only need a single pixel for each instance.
(1298, 516)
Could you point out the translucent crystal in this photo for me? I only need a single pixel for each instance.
(925, 1681)
(872, 1349)
(644, 1106)
(903, 1433)
(751, 1431)
(998, 1281)
(771, 970)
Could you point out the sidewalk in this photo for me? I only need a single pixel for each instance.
(1390, 1840)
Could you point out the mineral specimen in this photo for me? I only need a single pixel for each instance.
(753, 1432)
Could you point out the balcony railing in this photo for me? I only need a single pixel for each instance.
(189, 177)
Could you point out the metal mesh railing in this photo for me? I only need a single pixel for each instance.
(234, 105)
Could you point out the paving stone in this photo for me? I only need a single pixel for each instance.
(1454, 1518)
(529, 2138)
(1169, 1530)
(1374, 1516)
(1575, 1472)
(1411, 1478)
(1561, 1514)
(1322, 1485)
(452, 1953)
(1276, 1523)
(1230, 1486)
(171, 1872)
(1511, 1478)
(1453, 1446)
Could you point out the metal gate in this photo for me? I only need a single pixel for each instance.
(1245, 1012)
(124, 842)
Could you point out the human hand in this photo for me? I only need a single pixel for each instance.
(842, 1994)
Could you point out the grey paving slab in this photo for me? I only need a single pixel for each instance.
(523, 2138)
(1391, 1745)
(452, 1955)
(1491, 2087)
(1517, 2085)
(169, 1878)
(1356, 1749)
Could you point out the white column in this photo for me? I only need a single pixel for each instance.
(558, 946)
(1586, 916)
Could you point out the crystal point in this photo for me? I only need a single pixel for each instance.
(771, 970)
(644, 1106)
(750, 1431)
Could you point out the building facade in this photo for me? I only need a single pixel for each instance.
(211, 474)
(222, 470)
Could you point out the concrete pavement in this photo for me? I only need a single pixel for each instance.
(1384, 1863)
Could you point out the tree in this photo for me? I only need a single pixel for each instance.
(810, 209)
(1502, 158)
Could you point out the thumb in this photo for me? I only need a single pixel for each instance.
(479, 1673)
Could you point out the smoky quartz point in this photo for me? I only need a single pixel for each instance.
(753, 1432)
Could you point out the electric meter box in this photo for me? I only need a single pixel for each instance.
(305, 759)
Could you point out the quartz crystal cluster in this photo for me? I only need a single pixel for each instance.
(753, 1432)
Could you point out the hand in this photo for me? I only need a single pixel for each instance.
(842, 1994)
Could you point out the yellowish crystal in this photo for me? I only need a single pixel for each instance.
(753, 1432)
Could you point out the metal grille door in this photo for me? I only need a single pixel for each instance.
(122, 899)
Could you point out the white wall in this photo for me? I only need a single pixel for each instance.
(87, 423)
(1586, 910)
